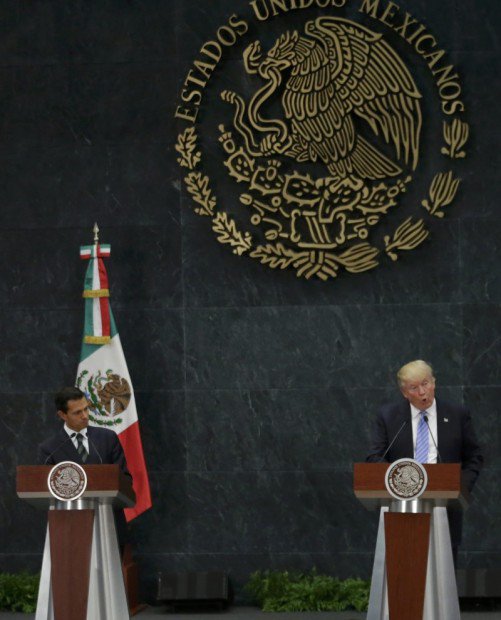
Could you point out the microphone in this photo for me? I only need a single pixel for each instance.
(394, 439)
(91, 443)
(54, 451)
(425, 417)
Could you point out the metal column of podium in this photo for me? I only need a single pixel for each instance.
(413, 575)
(81, 576)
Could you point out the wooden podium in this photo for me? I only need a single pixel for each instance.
(81, 576)
(413, 575)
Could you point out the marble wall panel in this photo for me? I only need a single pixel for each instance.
(147, 266)
(153, 352)
(28, 33)
(252, 512)
(480, 169)
(480, 259)
(34, 102)
(121, 103)
(279, 430)
(474, 25)
(482, 344)
(286, 430)
(88, 104)
(163, 425)
(23, 527)
(152, 342)
(482, 521)
(25, 420)
(40, 349)
(318, 346)
(112, 31)
(21, 562)
(165, 528)
(88, 32)
(483, 402)
(482, 560)
(144, 268)
(75, 185)
(51, 277)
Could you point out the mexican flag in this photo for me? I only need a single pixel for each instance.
(103, 376)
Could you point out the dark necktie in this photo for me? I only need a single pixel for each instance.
(81, 448)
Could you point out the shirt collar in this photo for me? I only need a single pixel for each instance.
(70, 431)
(431, 411)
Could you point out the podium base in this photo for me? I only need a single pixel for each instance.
(440, 596)
(106, 597)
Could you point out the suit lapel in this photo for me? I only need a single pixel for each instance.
(407, 442)
(445, 424)
(90, 441)
(94, 457)
(68, 450)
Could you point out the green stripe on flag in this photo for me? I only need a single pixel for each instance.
(89, 349)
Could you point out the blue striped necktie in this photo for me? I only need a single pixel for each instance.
(422, 440)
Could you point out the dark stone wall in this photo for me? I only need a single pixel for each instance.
(255, 389)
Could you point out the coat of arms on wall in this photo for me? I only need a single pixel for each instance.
(325, 142)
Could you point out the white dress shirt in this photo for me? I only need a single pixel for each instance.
(83, 432)
(431, 414)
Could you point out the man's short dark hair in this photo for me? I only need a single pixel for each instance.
(65, 394)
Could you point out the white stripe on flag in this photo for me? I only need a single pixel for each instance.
(96, 318)
(96, 305)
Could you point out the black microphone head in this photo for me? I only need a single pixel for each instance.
(425, 418)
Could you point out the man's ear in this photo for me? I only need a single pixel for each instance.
(62, 415)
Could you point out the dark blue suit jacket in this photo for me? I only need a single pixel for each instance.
(456, 441)
(104, 447)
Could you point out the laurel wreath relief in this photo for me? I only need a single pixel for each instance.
(316, 226)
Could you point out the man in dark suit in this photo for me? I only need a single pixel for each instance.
(77, 441)
(447, 429)
(83, 444)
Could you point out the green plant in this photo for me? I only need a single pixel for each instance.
(290, 591)
(18, 592)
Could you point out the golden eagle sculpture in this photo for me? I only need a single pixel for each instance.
(333, 75)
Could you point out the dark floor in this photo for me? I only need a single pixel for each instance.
(252, 613)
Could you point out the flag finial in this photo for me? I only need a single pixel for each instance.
(96, 233)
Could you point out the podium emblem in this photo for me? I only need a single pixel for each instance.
(406, 479)
(67, 481)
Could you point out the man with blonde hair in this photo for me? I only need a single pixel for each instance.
(429, 430)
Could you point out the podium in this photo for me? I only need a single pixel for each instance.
(413, 575)
(81, 576)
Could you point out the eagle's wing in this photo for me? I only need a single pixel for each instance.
(371, 79)
(316, 111)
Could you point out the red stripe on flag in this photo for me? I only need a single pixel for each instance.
(103, 276)
(104, 304)
(133, 448)
(104, 301)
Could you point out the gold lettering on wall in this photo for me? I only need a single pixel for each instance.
(320, 171)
